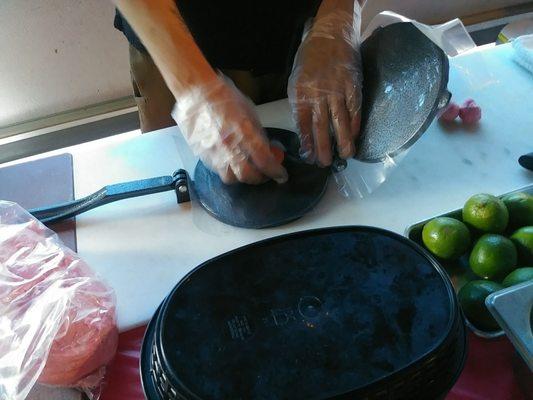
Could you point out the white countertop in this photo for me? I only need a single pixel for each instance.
(143, 246)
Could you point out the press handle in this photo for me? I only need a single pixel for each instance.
(112, 193)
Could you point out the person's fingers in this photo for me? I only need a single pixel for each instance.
(267, 163)
(353, 104)
(226, 174)
(304, 123)
(246, 172)
(340, 120)
(257, 148)
(278, 152)
(355, 124)
(229, 131)
(238, 167)
(228, 138)
(321, 133)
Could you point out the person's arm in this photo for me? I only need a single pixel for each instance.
(219, 123)
(163, 32)
(328, 6)
(325, 84)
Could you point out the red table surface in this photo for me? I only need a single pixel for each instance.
(493, 371)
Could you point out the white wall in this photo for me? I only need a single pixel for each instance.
(435, 11)
(57, 55)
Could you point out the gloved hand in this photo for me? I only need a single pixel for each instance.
(325, 86)
(222, 128)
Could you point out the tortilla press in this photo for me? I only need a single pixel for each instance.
(246, 206)
(333, 313)
(404, 89)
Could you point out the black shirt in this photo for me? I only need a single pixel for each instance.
(254, 35)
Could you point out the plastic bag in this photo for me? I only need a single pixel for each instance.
(452, 37)
(57, 318)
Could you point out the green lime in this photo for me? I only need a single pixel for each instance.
(493, 257)
(472, 299)
(520, 207)
(446, 237)
(519, 275)
(523, 240)
(486, 213)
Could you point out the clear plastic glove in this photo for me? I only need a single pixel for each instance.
(325, 86)
(222, 128)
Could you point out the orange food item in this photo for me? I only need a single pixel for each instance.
(278, 153)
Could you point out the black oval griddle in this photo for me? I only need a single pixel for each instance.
(335, 313)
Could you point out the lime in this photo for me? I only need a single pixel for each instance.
(446, 237)
(486, 213)
(519, 275)
(493, 257)
(472, 299)
(520, 207)
(523, 240)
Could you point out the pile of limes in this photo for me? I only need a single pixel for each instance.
(498, 235)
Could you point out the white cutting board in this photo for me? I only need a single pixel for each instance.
(144, 246)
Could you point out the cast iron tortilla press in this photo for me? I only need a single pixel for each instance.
(246, 206)
(405, 78)
(334, 313)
